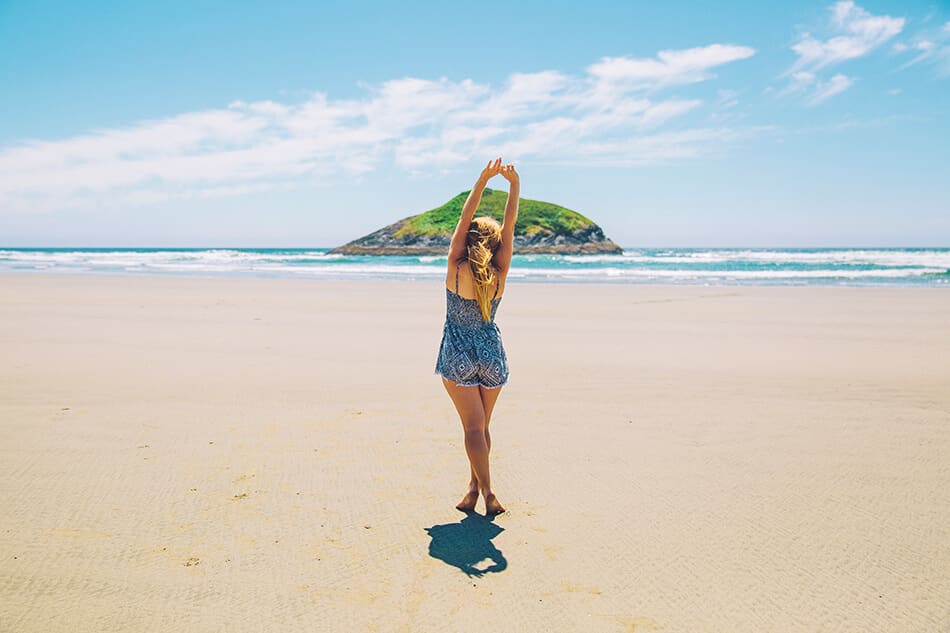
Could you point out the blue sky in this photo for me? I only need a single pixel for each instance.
(304, 124)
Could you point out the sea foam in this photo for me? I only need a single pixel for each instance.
(826, 266)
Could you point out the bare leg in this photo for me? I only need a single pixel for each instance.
(471, 410)
(489, 397)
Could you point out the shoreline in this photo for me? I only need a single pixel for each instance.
(514, 280)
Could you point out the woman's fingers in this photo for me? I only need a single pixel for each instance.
(493, 167)
(508, 171)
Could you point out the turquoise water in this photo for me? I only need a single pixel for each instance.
(758, 266)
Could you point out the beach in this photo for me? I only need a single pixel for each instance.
(228, 454)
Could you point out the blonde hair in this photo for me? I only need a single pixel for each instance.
(483, 239)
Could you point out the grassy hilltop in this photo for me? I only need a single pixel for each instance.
(534, 216)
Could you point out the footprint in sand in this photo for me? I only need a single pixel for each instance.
(192, 561)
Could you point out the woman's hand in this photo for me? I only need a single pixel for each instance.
(492, 169)
(508, 173)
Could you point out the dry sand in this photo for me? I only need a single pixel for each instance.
(225, 455)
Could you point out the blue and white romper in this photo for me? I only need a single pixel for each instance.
(471, 352)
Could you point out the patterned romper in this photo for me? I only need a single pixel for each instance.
(471, 352)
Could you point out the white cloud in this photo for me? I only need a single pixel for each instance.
(854, 33)
(669, 67)
(660, 112)
(609, 114)
(676, 145)
(827, 89)
(728, 98)
(798, 82)
(857, 33)
(524, 94)
(931, 46)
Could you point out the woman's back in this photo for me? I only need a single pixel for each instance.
(462, 282)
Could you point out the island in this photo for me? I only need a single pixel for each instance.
(542, 228)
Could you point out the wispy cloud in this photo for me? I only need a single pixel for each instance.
(798, 82)
(925, 49)
(728, 98)
(853, 33)
(827, 89)
(818, 90)
(611, 114)
(931, 45)
(669, 67)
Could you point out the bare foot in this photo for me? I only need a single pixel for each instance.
(467, 504)
(492, 506)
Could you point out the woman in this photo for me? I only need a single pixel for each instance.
(472, 361)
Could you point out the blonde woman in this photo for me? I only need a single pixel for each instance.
(472, 360)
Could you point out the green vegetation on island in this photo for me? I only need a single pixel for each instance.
(534, 216)
(542, 228)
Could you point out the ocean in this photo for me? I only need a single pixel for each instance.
(699, 266)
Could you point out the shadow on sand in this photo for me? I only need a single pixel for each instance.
(467, 545)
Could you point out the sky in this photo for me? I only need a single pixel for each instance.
(309, 124)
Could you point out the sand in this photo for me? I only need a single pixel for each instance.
(184, 454)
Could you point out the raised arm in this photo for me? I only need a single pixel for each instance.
(457, 246)
(502, 258)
